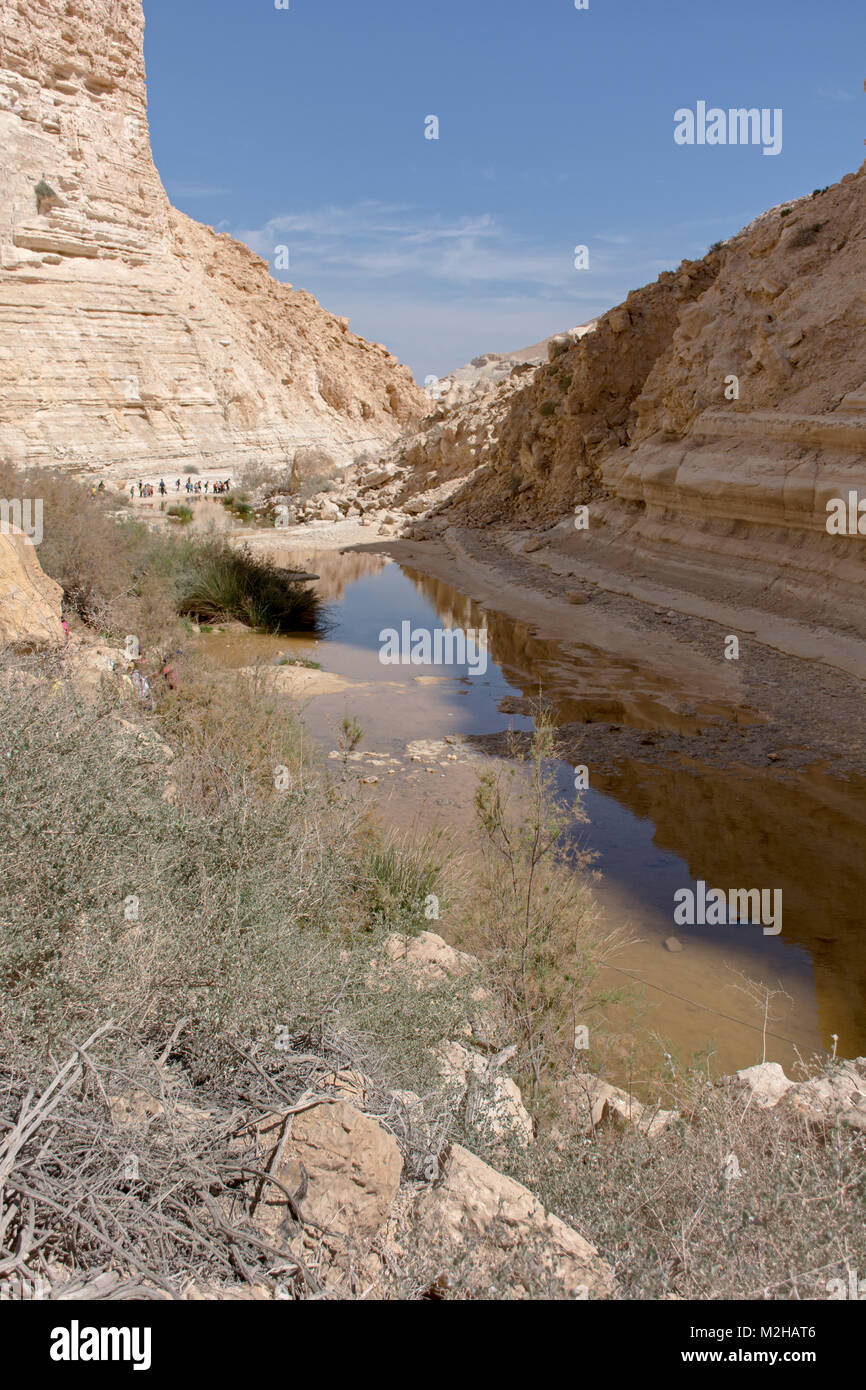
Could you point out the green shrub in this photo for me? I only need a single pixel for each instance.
(226, 583)
(239, 504)
(401, 877)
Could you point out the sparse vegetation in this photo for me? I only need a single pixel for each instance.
(676, 1222)
(806, 236)
(402, 875)
(536, 924)
(120, 577)
(240, 506)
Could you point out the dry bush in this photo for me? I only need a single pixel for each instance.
(115, 576)
(534, 918)
(675, 1221)
(207, 917)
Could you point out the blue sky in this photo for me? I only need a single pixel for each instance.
(305, 128)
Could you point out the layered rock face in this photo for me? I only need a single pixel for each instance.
(29, 600)
(130, 336)
(707, 422)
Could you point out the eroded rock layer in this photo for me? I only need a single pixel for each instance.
(707, 422)
(129, 334)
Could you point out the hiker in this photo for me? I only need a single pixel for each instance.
(168, 672)
(177, 486)
(162, 487)
(132, 492)
(140, 487)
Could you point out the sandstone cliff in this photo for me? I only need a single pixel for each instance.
(29, 600)
(707, 422)
(129, 334)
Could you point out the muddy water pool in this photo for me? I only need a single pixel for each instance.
(656, 827)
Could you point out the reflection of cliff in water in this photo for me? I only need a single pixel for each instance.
(804, 834)
(580, 683)
(337, 572)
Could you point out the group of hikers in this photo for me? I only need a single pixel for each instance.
(205, 489)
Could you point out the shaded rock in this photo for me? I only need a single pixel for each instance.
(493, 1103)
(342, 1168)
(595, 1103)
(493, 1235)
(29, 600)
(766, 1083)
(837, 1098)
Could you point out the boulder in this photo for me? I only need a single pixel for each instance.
(837, 1098)
(494, 1237)
(596, 1103)
(431, 961)
(619, 320)
(493, 1103)
(29, 600)
(341, 1167)
(429, 955)
(765, 1083)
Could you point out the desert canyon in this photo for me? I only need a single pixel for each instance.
(612, 505)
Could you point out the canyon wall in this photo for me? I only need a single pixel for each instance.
(131, 337)
(706, 422)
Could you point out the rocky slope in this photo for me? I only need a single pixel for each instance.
(129, 334)
(29, 600)
(486, 372)
(706, 423)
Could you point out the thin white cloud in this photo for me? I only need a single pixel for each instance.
(442, 290)
(388, 241)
